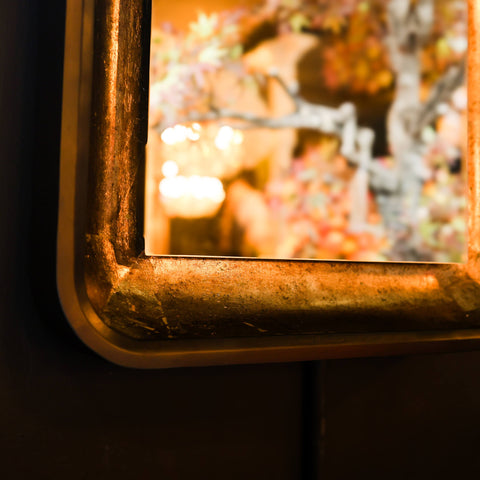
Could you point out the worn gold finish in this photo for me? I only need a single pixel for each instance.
(173, 311)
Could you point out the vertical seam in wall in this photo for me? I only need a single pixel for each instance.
(313, 420)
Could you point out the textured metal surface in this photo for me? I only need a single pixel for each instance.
(210, 310)
(474, 140)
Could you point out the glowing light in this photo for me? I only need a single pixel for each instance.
(237, 137)
(224, 137)
(170, 168)
(194, 136)
(191, 197)
(180, 133)
(227, 136)
(205, 150)
(173, 135)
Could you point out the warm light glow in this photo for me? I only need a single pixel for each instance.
(198, 156)
(170, 169)
(227, 136)
(205, 150)
(191, 197)
(180, 133)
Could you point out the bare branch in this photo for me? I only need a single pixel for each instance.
(290, 90)
(441, 92)
(339, 121)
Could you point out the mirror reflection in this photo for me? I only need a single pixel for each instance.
(308, 129)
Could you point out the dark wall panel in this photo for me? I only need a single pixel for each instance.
(403, 418)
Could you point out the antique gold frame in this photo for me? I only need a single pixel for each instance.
(153, 312)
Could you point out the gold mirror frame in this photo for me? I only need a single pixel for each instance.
(154, 312)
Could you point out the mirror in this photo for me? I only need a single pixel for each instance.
(161, 311)
(308, 129)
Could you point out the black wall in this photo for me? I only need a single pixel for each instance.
(67, 414)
